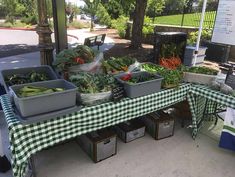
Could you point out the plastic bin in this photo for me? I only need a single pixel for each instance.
(190, 50)
(142, 88)
(40, 104)
(188, 60)
(199, 78)
(39, 69)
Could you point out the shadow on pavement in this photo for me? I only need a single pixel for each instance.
(16, 49)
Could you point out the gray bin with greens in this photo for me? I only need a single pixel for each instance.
(25, 74)
(134, 90)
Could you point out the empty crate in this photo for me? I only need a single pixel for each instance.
(130, 130)
(99, 145)
(159, 126)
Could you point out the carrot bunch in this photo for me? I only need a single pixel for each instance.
(170, 63)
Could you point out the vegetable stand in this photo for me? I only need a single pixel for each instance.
(26, 140)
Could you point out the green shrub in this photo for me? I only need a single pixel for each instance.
(78, 25)
(148, 27)
(206, 36)
(103, 16)
(31, 20)
(6, 25)
(120, 24)
(16, 24)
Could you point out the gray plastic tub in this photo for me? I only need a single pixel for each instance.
(188, 61)
(39, 69)
(142, 88)
(45, 103)
(190, 50)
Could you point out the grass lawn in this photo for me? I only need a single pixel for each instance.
(189, 19)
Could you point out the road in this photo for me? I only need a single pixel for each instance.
(14, 42)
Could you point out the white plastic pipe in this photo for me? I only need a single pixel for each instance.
(200, 31)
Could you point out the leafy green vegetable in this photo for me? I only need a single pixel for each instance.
(172, 78)
(152, 68)
(141, 78)
(93, 83)
(201, 70)
(116, 65)
(67, 57)
(32, 76)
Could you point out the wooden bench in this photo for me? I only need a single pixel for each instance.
(95, 41)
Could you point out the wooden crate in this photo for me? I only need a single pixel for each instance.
(159, 125)
(99, 145)
(130, 130)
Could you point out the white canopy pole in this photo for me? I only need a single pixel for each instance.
(200, 31)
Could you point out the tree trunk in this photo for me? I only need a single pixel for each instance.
(138, 22)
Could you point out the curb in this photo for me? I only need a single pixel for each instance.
(19, 28)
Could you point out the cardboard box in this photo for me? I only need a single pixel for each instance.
(99, 145)
(159, 125)
(130, 130)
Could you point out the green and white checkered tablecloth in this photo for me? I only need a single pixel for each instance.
(26, 140)
(197, 96)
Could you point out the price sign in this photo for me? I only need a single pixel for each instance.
(230, 80)
(118, 93)
(224, 30)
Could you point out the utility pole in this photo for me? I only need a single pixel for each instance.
(44, 32)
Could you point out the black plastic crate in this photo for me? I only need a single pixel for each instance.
(217, 52)
(160, 38)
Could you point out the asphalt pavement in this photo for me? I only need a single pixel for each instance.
(16, 42)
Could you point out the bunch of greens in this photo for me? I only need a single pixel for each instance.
(75, 56)
(141, 78)
(170, 50)
(92, 83)
(32, 76)
(116, 65)
(152, 68)
(201, 70)
(171, 78)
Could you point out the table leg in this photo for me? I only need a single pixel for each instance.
(32, 166)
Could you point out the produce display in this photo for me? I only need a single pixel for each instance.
(116, 65)
(169, 55)
(92, 83)
(152, 68)
(201, 70)
(33, 76)
(28, 91)
(137, 79)
(76, 56)
(171, 78)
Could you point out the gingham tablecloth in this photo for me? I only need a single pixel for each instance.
(26, 140)
(197, 96)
